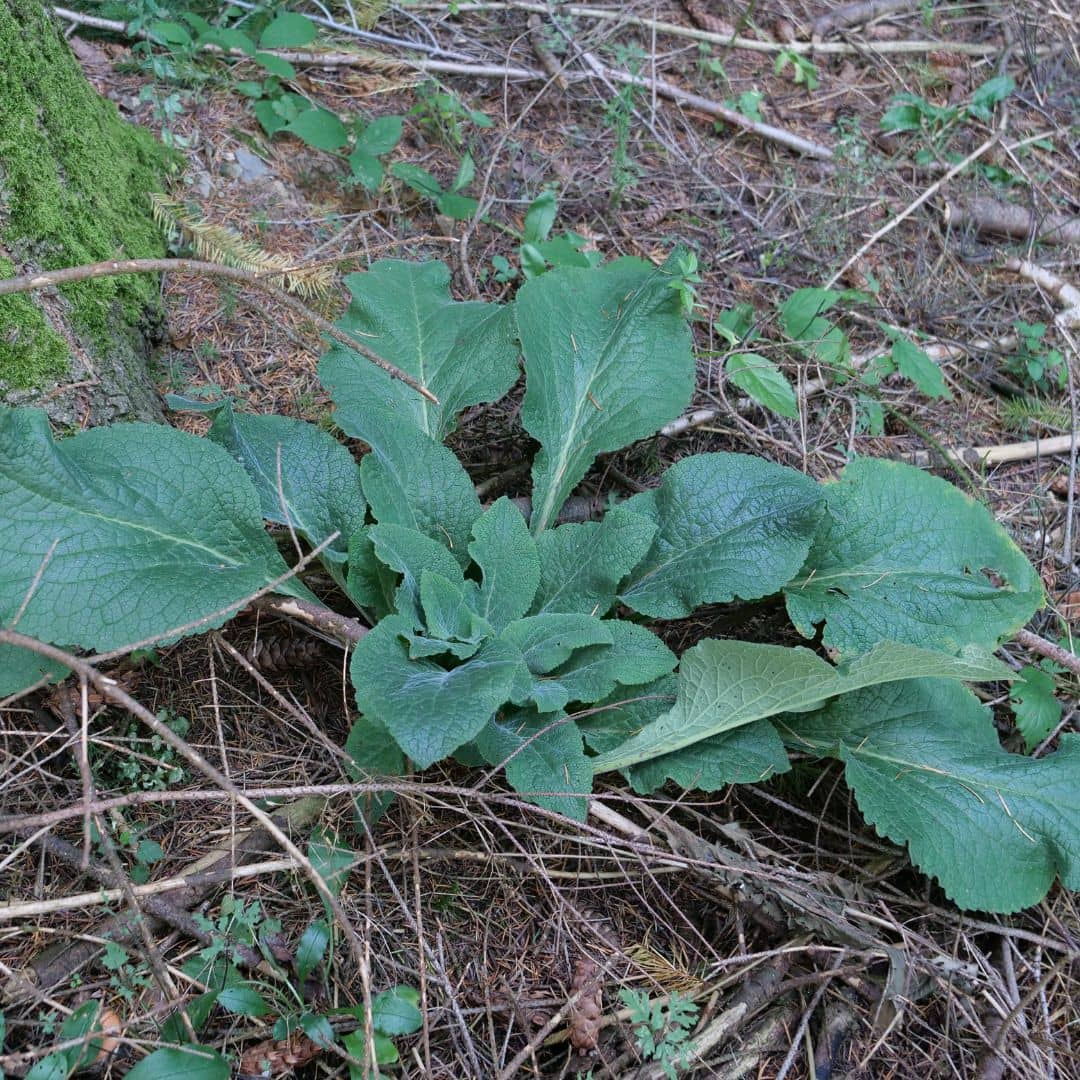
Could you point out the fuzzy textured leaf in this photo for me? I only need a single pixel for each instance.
(1036, 709)
(319, 490)
(505, 551)
(463, 352)
(725, 685)
(728, 525)
(608, 361)
(543, 754)
(411, 553)
(903, 550)
(412, 481)
(581, 565)
(927, 770)
(429, 711)
(135, 529)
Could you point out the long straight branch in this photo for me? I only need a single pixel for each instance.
(48, 278)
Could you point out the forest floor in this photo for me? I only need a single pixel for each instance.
(962, 232)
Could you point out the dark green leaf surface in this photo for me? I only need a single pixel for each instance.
(904, 553)
(927, 769)
(728, 525)
(608, 361)
(505, 551)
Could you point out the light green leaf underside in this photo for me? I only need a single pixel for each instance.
(319, 489)
(545, 760)
(901, 549)
(607, 360)
(728, 525)
(134, 529)
(506, 553)
(429, 711)
(581, 565)
(464, 353)
(927, 769)
(410, 480)
(724, 685)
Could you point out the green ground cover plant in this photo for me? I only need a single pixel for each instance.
(509, 639)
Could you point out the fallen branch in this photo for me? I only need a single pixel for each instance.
(1030, 640)
(853, 14)
(994, 216)
(1068, 296)
(48, 278)
(1001, 454)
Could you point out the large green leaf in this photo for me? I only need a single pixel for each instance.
(429, 711)
(545, 760)
(20, 668)
(927, 769)
(505, 551)
(410, 480)
(608, 361)
(728, 525)
(372, 752)
(303, 475)
(903, 553)
(581, 565)
(725, 685)
(464, 353)
(189, 1062)
(133, 529)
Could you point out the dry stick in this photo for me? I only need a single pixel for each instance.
(111, 692)
(862, 12)
(342, 627)
(712, 108)
(835, 48)
(913, 206)
(1002, 454)
(994, 216)
(1040, 645)
(48, 278)
(1065, 294)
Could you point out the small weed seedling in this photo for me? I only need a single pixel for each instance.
(662, 1029)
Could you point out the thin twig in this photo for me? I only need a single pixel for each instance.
(1030, 640)
(48, 278)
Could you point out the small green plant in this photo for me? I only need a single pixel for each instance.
(685, 281)
(539, 250)
(137, 762)
(450, 202)
(1033, 362)
(441, 115)
(492, 636)
(82, 1024)
(803, 70)
(618, 115)
(662, 1028)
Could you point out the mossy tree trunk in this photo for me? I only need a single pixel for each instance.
(74, 188)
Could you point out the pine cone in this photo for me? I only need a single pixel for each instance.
(585, 1014)
(278, 1057)
(278, 655)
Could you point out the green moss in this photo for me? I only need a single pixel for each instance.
(74, 181)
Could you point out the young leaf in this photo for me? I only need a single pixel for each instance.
(540, 217)
(727, 525)
(764, 382)
(506, 553)
(286, 31)
(465, 174)
(397, 1011)
(450, 614)
(725, 685)
(121, 533)
(429, 711)
(1034, 706)
(190, 1062)
(244, 1000)
(411, 553)
(463, 352)
(581, 565)
(319, 128)
(915, 365)
(546, 641)
(545, 761)
(420, 180)
(366, 169)
(801, 319)
(608, 360)
(927, 770)
(381, 135)
(900, 549)
(412, 481)
(330, 859)
(318, 492)
(635, 656)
